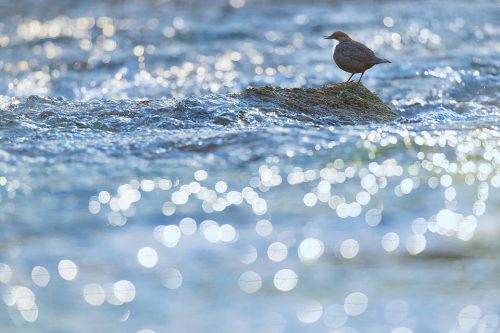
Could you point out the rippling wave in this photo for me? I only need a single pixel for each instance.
(145, 186)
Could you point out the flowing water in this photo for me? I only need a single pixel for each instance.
(138, 193)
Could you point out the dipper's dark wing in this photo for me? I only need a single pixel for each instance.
(357, 51)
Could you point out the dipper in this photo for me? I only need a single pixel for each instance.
(353, 57)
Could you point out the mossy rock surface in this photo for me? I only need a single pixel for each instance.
(345, 103)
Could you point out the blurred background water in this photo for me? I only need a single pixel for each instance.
(138, 194)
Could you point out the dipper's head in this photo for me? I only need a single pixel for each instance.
(340, 36)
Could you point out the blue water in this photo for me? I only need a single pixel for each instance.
(140, 193)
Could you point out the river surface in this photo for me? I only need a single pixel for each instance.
(139, 193)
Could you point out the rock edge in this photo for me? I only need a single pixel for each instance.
(350, 103)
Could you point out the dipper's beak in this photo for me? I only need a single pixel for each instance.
(327, 37)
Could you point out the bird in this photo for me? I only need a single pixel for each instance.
(351, 56)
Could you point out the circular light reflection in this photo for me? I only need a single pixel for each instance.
(5, 273)
(30, 315)
(349, 248)
(310, 250)
(67, 269)
(355, 304)
(171, 234)
(40, 276)
(249, 255)
(124, 291)
(277, 252)
(172, 278)
(188, 226)
(264, 228)
(373, 217)
(469, 316)
(415, 244)
(94, 294)
(147, 257)
(250, 282)
(390, 241)
(310, 311)
(285, 280)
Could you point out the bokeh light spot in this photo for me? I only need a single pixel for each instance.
(285, 280)
(67, 269)
(250, 282)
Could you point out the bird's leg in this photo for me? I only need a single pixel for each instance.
(361, 77)
(349, 78)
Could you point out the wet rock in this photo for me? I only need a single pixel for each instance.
(348, 103)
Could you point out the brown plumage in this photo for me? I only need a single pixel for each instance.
(353, 57)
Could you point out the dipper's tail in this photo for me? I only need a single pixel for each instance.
(382, 61)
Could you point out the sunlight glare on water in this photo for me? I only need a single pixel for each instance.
(144, 188)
